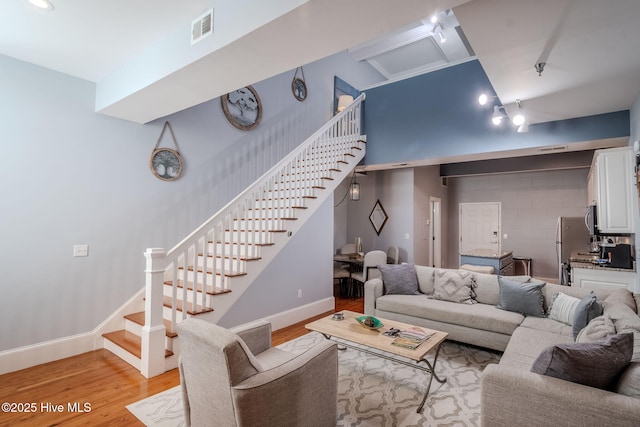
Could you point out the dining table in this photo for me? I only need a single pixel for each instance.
(354, 263)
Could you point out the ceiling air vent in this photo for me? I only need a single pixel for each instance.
(202, 27)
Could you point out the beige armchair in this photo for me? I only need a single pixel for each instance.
(235, 378)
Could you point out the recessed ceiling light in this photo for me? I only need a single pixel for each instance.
(42, 4)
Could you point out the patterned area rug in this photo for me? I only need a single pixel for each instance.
(373, 391)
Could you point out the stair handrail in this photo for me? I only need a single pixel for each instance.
(339, 132)
(299, 149)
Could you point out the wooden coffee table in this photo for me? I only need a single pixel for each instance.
(351, 331)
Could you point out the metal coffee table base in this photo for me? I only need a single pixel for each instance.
(430, 368)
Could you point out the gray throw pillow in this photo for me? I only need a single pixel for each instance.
(399, 279)
(592, 364)
(587, 309)
(454, 286)
(523, 298)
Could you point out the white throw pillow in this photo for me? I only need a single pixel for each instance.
(563, 308)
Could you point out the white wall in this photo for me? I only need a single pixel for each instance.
(75, 177)
(531, 204)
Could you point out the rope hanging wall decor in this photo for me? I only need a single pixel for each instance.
(299, 86)
(166, 163)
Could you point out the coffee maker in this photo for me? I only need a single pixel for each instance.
(618, 255)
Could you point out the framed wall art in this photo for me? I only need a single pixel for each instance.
(378, 217)
(242, 108)
(166, 163)
(299, 86)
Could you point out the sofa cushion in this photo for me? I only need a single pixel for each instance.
(588, 309)
(425, 278)
(524, 298)
(477, 316)
(549, 325)
(621, 296)
(527, 343)
(624, 318)
(399, 279)
(629, 382)
(591, 364)
(563, 308)
(454, 285)
(598, 329)
(487, 288)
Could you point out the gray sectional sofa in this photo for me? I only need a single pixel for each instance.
(511, 394)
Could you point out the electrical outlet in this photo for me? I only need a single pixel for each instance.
(299, 293)
(80, 250)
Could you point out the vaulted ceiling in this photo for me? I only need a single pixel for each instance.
(140, 56)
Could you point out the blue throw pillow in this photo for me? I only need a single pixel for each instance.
(588, 309)
(524, 298)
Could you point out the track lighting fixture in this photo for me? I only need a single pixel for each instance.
(484, 98)
(519, 118)
(498, 115)
(439, 30)
(523, 128)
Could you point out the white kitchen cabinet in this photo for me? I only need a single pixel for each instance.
(601, 278)
(615, 190)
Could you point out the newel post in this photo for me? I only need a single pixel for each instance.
(153, 331)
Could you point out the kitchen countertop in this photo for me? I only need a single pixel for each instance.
(585, 260)
(590, 266)
(486, 253)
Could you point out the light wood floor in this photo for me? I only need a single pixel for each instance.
(101, 380)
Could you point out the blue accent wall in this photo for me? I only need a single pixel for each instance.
(436, 114)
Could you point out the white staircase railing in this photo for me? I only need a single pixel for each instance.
(202, 264)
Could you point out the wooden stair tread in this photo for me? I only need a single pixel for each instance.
(242, 258)
(179, 306)
(138, 318)
(210, 289)
(209, 271)
(129, 342)
(248, 244)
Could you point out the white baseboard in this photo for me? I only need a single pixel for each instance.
(48, 351)
(44, 352)
(298, 314)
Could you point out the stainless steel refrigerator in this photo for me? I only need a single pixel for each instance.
(572, 236)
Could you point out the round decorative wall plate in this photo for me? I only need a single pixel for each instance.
(242, 108)
(166, 164)
(299, 89)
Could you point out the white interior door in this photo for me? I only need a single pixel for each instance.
(435, 233)
(480, 227)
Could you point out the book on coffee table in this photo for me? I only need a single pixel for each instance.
(411, 338)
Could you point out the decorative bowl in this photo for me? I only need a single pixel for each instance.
(377, 324)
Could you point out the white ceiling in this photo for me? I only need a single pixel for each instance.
(138, 51)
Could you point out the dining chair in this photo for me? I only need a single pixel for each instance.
(370, 263)
(347, 248)
(341, 271)
(392, 255)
